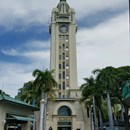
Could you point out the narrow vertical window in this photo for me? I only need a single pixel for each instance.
(63, 84)
(59, 57)
(63, 74)
(59, 94)
(59, 75)
(63, 56)
(59, 66)
(63, 65)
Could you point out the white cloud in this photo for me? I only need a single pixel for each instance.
(35, 51)
(14, 75)
(36, 44)
(87, 7)
(11, 52)
(27, 12)
(105, 45)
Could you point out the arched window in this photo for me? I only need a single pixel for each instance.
(64, 111)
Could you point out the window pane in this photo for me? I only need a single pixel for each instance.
(64, 111)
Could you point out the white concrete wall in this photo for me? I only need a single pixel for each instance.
(7, 108)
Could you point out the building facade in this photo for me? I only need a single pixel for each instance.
(65, 113)
(15, 114)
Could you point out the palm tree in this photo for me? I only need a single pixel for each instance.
(89, 97)
(108, 80)
(44, 84)
(113, 80)
(27, 93)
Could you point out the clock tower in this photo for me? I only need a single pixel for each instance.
(65, 112)
(63, 47)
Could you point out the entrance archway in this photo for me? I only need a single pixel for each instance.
(64, 118)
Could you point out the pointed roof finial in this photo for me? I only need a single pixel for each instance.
(63, 0)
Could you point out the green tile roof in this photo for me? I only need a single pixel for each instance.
(4, 97)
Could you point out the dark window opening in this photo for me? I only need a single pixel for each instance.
(59, 66)
(63, 65)
(64, 111)
(59, 76)
(63, 75)
(63, 84)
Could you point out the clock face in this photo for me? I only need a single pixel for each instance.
(63, 28)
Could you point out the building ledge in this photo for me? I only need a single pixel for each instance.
(66, 99)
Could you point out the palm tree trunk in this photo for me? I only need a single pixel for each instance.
(101, 121)
(43, 102)
(111, 123)
(95, 116)
(45, 111)
(92, 123)
(126, 119)
(41, 114)
(122, 113)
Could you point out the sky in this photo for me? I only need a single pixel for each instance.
(102, 38)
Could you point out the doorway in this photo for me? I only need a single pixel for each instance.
(64, 128)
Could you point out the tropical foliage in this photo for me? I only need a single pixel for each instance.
(110, 80)
(27, 93)
(32, 91)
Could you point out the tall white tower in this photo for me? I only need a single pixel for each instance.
(63, 47)
(65, 112)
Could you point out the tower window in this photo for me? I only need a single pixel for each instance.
(60, 57)
(59, 86)
(59, 94)
(59, 66)
(59, 75)
(63, 85)
(71, 16)
(63, 46)
(63, 56)
(64, 111)
(63, 74)
(63, 65)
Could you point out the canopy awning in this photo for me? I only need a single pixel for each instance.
(20, 118)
